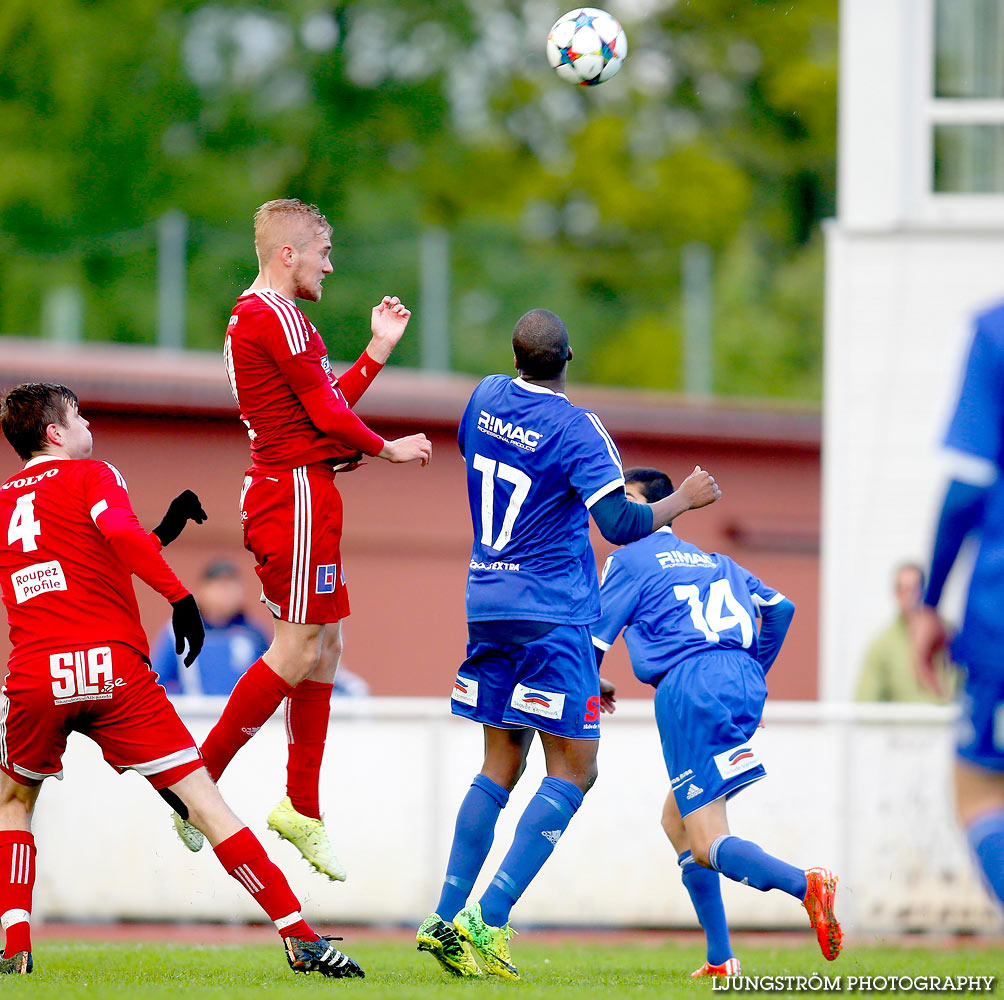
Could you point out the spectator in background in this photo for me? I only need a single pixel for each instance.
(232, 642)
(887, 673)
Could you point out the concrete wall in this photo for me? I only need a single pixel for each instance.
(862, 789)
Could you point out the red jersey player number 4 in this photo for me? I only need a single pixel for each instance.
(80, 663)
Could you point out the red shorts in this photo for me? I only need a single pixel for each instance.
(293, 526)
(108, 693)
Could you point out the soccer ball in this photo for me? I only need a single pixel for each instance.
(586, 46)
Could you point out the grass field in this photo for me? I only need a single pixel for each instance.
(562, 971)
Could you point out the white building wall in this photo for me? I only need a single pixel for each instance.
(861, 789)
(898, 323)
(906, 271)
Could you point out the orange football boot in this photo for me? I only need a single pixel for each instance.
(730, 967)
(821, 887)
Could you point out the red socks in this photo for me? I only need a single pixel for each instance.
(245, 859)
(307, 708)
(17, 879)
(255, 697)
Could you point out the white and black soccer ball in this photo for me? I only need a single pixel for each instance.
(586, 46)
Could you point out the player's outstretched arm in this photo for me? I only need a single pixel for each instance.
(183, 508)
(387, 324)
(698, 490)
(407, 449)
(388, 321)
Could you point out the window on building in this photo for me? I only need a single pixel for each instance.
(966, 111)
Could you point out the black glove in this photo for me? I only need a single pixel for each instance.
(183, 508)
(187, 624)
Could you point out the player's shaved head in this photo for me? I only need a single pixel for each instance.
(286, 221)
(540, 344)
(652, 484)
(28, 409)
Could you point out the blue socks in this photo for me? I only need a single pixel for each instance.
(986, 838)
(543, 822)
(705, 891)
(472, 840)
(745, 862)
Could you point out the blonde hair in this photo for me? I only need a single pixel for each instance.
(274, 220)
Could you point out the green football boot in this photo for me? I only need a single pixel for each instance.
(490, 943)
(438, 938)
(190, 836)
(308, 836)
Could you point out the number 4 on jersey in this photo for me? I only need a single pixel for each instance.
(23, 527)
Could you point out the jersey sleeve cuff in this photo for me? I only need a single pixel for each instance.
(965, 467)
(600, 644)
(603, 491)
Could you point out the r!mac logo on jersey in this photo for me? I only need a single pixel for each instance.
(503, 430)
(546, 704)
(736, 761)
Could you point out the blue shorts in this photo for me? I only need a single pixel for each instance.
(982, 717)
(707, 708)
(550, 684)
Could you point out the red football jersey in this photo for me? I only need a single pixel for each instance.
(294, 408)
(69, 543)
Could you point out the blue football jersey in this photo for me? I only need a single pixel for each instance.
(977, 430)
(674, 600)
(535, 465)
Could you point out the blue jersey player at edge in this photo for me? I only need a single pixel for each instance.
(974, 505)
(689, 621)
(537, 468)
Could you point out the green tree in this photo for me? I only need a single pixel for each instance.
(394, 116)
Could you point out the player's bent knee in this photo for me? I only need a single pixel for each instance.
(700, 851)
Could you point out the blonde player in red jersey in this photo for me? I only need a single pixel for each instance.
(302, 429)
(80, 663)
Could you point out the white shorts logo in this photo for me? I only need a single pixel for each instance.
(736, 761)
(547, 704)
(465, 691)
(83, 675)
(41, 578)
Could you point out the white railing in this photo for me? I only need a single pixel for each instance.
(864, 789)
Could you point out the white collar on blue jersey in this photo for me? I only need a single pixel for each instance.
(533, 387)
(45, 458)
(666, 528)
